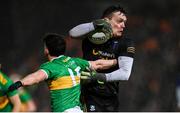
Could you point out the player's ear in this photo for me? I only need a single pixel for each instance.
(46, 51)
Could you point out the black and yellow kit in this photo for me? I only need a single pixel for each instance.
(104, 96)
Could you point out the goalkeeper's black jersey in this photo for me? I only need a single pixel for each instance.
(112, 49)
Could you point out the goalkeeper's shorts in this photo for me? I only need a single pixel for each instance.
(100, 106)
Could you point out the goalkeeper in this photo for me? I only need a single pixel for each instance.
(62, 74)
(103, 38)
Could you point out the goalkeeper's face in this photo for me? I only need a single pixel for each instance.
(117, 22)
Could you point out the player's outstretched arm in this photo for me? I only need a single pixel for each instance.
(101, 64)
(34, 78)
(30, 79)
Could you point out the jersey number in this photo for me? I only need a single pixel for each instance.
(77, 70)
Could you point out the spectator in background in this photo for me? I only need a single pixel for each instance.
(103, 38)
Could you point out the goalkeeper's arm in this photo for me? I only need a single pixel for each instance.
(123, 73)
(81, 30)
(85, 28)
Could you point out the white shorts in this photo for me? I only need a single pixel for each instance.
(75, 109)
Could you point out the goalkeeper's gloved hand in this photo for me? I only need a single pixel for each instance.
(100, 23)
(15, 86)
(93, 76)
(102, 33)
(103, 25)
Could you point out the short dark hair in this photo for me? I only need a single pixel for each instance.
(55, 43)
(111, 9)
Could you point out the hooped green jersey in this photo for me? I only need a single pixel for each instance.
(64, 81)
(5, 82)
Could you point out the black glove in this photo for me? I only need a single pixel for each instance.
(15, 86)
(100, 23)
(103, 25)
(102, 33)
(93, 76)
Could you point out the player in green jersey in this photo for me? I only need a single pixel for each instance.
(62, 74)
(9, 101)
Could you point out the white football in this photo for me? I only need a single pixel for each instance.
(98, 38)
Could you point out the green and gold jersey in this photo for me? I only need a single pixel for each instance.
(64, 81)
(5, 82)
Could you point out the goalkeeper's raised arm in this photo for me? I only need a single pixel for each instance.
(99, 31)
(81, 30)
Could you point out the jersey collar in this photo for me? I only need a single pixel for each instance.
(56, 57)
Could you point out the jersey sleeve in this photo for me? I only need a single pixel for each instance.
(82, 63)
(46, 68)
(24, 96)
(6, 82)
(127, 48)
(81, 30)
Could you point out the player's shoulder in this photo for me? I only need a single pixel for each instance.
(4, 79)
(127, 40)
(48, 64)
(76, 59)
(80, 61)
(3, 76)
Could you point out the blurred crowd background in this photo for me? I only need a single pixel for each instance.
(154, 84)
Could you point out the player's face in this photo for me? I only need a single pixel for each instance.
(118, 21)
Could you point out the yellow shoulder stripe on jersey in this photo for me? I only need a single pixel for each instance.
(63, 82)
(2, 79)
(3, 101)
(65, 60)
